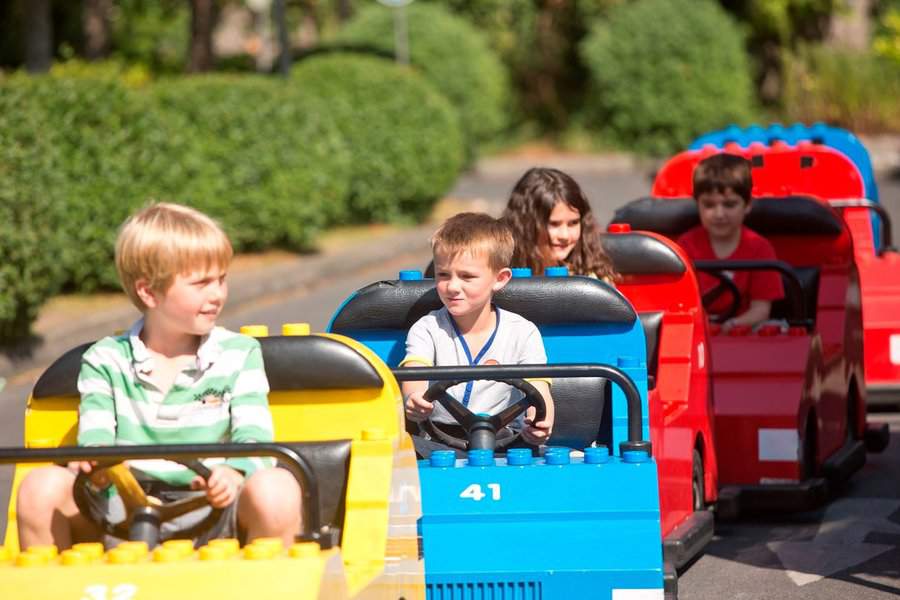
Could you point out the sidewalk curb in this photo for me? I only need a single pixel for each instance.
(244, 288)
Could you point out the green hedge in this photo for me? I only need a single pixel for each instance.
(404, 136)
(100, 151)
(453, 55)
(29, 267)
(664, 71)
(268, 163)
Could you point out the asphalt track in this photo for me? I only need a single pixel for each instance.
(849, 550)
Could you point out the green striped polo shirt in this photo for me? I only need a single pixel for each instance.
(222, 397)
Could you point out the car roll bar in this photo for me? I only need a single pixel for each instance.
(887, 240)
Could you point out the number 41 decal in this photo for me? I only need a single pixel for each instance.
(474, 492)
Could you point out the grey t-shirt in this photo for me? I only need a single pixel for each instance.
(432, 340)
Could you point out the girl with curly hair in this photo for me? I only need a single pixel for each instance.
(553, 225)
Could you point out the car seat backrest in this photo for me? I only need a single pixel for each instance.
(803, 230)
(399, 304)
(292, 363)
(330, 461)
(809, 283)
(769, 216)
(583, 412)
(651, 322)
(562, 307)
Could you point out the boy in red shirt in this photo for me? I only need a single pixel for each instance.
(722, 185)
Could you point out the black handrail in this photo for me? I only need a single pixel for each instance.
(798, 306)
(632, 396)
(288, 458)
(887, 240)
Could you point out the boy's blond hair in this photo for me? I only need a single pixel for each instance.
(475, 233)
(164, 240)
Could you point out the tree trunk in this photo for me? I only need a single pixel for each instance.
(852, 27)
(344, 10)
(38, 36)
(95, 20)
(203, 21)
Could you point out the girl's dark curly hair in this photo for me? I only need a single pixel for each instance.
(527, 212)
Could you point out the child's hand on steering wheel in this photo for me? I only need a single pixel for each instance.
(417, 407)
(98, 477)
(536, 433)
(223, 485)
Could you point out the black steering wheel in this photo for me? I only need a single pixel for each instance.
(725, 286)
(481, 429)
(144, 515)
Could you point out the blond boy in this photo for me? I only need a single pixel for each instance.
(174, 377)
(472, 252)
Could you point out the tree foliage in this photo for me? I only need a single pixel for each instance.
(665, 71)
(453, 56)
(403, 135)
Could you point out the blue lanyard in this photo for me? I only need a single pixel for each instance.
(481, 353)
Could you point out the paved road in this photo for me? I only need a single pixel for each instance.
(850, 550)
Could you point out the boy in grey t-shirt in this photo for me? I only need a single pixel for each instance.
(472, 252)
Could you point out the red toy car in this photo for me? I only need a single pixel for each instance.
(824, 172)
(788, 402)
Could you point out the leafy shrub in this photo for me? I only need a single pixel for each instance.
(151, 33)
(100, 150)
(267, 162)
(30, 269)
(665, 71)
(132, 76)
(453, 55)
(405, 137)
(849, 89)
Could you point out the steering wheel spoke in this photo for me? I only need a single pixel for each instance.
(482, 430)
(725, 286)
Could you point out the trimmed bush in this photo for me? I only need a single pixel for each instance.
(30, 269)
(94, 151)
(404, 136)
(664, 71)
(266, 162)
(453, 55)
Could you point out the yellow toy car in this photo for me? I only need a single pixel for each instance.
(339, 428)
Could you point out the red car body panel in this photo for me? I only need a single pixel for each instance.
(681, 402)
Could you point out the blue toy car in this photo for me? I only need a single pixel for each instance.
(568, 524)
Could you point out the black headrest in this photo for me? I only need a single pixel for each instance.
(641, 254)
(61, 378)
(542, 300)
(788, 215)
(312, 362)
(307, 362)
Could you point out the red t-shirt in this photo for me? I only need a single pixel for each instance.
(753, 285)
